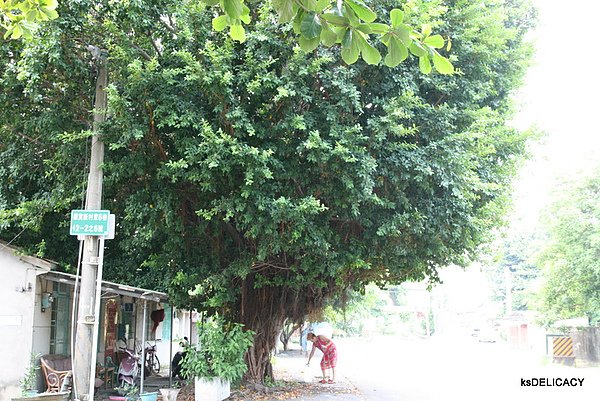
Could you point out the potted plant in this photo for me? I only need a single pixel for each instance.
(218, 359)
(128, 392)
(170, 394)
(29, 381)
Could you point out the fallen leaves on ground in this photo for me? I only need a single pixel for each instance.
(283, 391)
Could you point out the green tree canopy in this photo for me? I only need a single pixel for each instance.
(263, 179)
(571, 266)
(350, 23)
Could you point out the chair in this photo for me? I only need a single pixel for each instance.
(57, 372)
(110, 372)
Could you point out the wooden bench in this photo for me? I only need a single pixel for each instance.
(57, 371)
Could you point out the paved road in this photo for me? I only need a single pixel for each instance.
(392, 369)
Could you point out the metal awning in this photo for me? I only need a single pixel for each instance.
(109, 287)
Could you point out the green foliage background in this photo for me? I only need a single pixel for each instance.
(571, 270)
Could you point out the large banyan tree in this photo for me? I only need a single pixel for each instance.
(254, 180)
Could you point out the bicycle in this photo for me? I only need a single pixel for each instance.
(152, 362)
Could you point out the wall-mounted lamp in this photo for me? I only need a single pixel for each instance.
(27, 288)
(47, 299)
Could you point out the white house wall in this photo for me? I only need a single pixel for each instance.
(17, 301)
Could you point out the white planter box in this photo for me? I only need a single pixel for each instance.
(211, 389)
(169, 394)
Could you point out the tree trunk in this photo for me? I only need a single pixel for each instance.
(261, 313)
(288, 330)
(264, 310)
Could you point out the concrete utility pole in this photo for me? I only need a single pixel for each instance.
(87, 319)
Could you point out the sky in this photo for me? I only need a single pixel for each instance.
(561, 97)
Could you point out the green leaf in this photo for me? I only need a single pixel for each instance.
(370, 54)
(335, 19)
(310, 26)
(322, 5)
(48, 4)
(298, 21)
(31, 16)
(27, 33)
(424, 65)
(349, 13)
(350, 51)
(403, 33)
(397, 53)
(362, 11)
(379, 28)
(442, 64)
(211, 2)
(237, 32)
(219, 23)
(435, 41)
(350, 55)
(347, 39)
(328, 36)
(308, 45)
(417, 50)
(396, 17)
(51, 14)
(16, 32)
(233, 8)
(245, 17)
(285, 9)
(365, 28)
(426, 30)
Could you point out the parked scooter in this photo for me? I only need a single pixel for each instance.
(177, 360)
(128, 369)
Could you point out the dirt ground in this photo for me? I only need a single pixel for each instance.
(288, 386)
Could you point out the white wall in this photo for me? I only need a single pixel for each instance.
(17, 300)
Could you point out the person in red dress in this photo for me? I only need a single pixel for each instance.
(329, 359)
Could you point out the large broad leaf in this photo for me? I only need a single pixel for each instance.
(426, 30)
(350, 50)
(397, 53)
(335, 19)
(308, 45)
(434, 41)
(233, 8)
(370, 54)
(328, 36)
(48, 4)
(238, 33)
(350, 55)
(442, 64)
(219, 23)
(365, 28)
(403, 33)
(417, 50)
(396, 17)
(285, 9)
(310, 26)
(424, 65)
(50, 13)
(298, 21)
(362, 11)
(379, 28)
(32, 15)
(347, 38)
(245, 17)
(321, 5)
